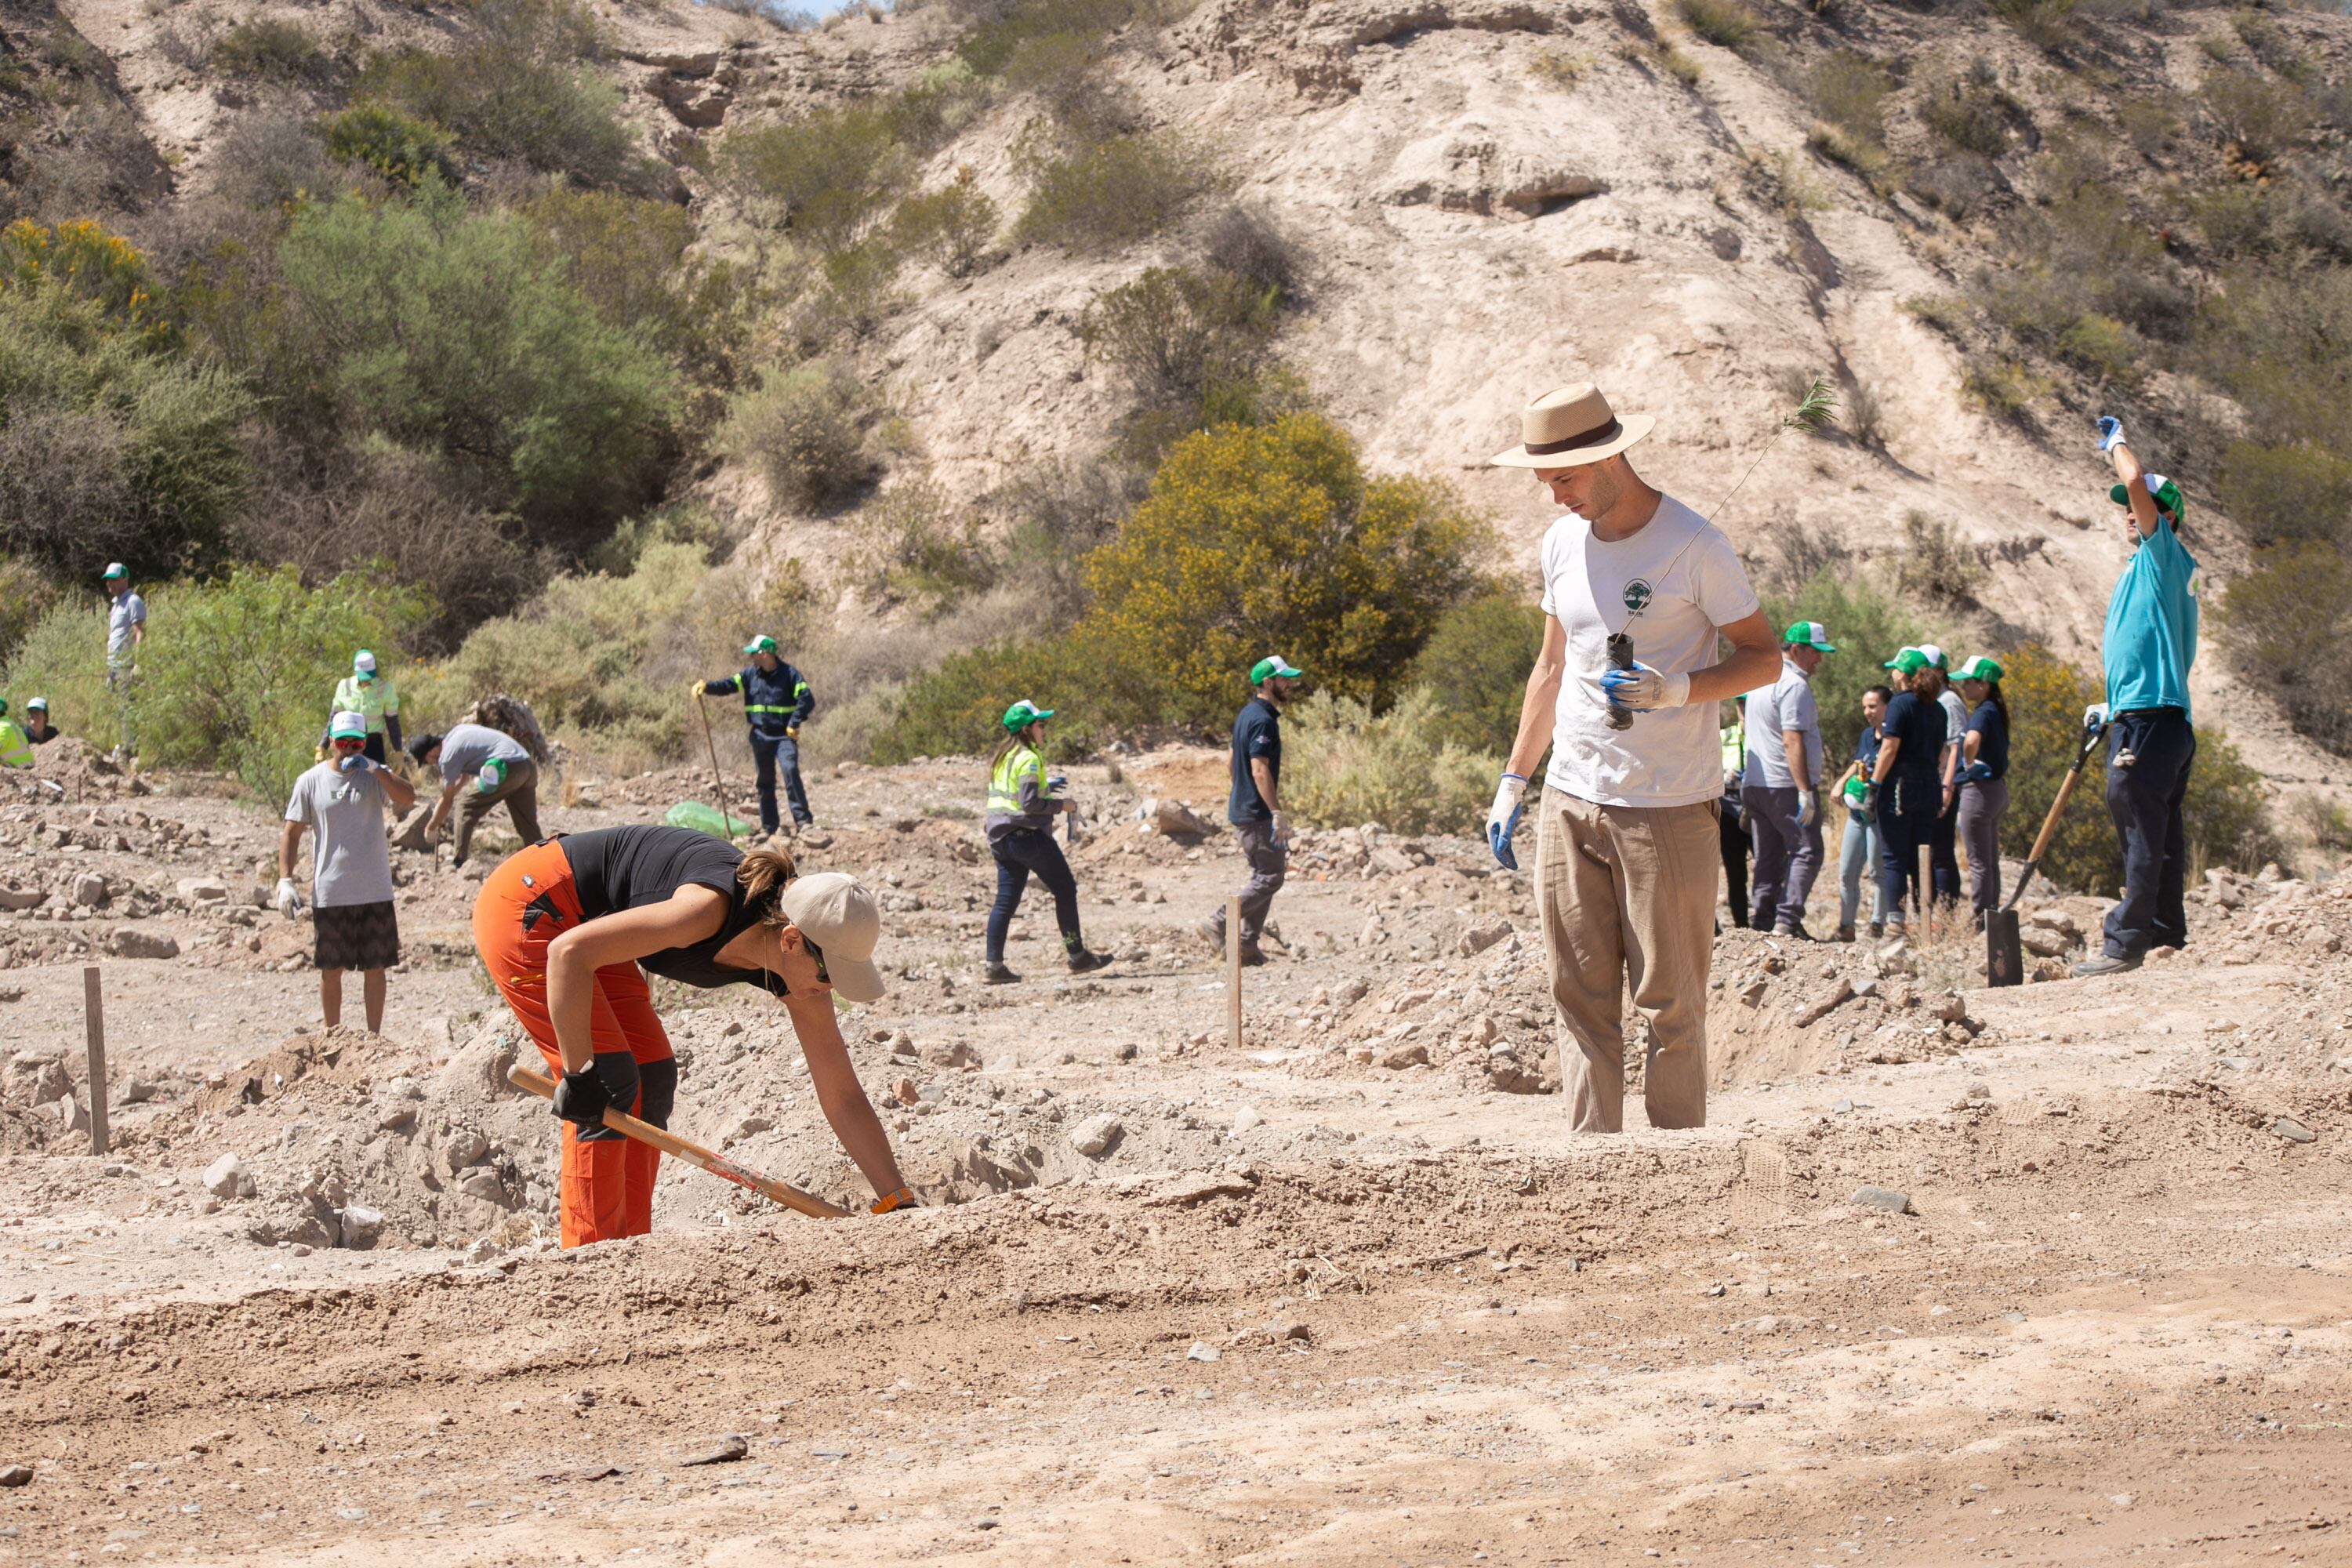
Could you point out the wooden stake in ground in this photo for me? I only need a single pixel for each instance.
(93, 1014)
(629, 1126)
(718, 785)
(1234, 971)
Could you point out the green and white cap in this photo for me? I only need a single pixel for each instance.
(1978, 668)
(1023, 714)
(41, 703)
(763, 643)
(1934, 656)
(1910, 661)
(1272, 664)
(115, 568)
(2167, 494)
(347, 727)
(1809, 633)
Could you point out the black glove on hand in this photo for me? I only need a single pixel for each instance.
(580, 1098)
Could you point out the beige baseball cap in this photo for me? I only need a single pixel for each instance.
(834, 910)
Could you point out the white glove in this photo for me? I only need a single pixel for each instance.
(290, 898)
(1643, 688)
(1281, 829)
(2094, 715)
(1809, 807)
(1502, 817)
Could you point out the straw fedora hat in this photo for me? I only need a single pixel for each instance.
(1571, 426)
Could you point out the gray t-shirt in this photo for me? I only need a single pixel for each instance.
(465, 749)
(352, 858)
(1786, 704)
(125, 612)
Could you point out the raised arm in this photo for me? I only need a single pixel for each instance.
(2130, 474)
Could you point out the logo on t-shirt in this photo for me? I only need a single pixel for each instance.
(1638, 593)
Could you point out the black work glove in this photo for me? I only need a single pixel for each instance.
(580, 1098)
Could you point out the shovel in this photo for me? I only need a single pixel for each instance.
(2004, 952)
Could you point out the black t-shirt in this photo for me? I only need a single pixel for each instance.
(616, 869)
(1917, 725)
(1257, 732)
(1993, 750)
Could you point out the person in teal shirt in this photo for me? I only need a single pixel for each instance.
(2149, 644)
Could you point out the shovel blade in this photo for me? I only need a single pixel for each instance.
(2004, 956)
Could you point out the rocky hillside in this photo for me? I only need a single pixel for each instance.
(1700, 204)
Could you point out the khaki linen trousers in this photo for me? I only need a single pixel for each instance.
(1627, 896)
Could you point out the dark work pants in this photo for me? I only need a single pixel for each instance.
(770, 753)
(1017, 854)
(1907, 820)
(1734, 837)
(1943, 849)
(2144, 801)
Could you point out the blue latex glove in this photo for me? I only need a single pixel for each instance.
(1503, 817)
(357, 762)
(1644, 689)
(2111, 432)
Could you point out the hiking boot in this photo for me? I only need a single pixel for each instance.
(1213, 930)
(1253, 957)
(997, 974)
(1795, 929)
(1877, 929)
(1083, 960)
(2104, 963)
(1845, 933)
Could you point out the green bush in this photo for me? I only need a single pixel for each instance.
(1867, 627)
(824, 177)
(2283, 624)
(1849, 91)
(989, 48)
(457, 334)
(264, 48)
(2288, 492)
(2040, 22)
(62, 657)
(1726, 23)
(1107, 196)
(953, 225)
(1936, 565)
(1968, 115)
(404, 150)
(955, 709)
(2263, 118)
(630, 258)
(915, 547)
(2003, 387)
(1476, 661)
(111, 448)
(1273, 538)
(521, 83)
(1176, 334)
(1344, 764)
(803, 428)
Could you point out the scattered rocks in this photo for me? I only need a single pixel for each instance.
(227, 1177)
(1095, 1136)
(1882, 1198)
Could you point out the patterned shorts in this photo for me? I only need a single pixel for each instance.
(355, 936)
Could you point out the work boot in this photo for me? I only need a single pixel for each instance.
(1082, 961)
(1845, 933)
(2104, 963)
(1252, 956)
(1214, 931)
(1795, 929)
(997, 974)
(1877, 929)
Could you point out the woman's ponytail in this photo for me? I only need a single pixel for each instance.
(762, 875)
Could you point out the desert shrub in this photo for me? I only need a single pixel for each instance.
(1865, 416)
(824, 177)
(1968, 114)
(2225, 815)
(2276, 342)
(1937, 566)
(803, 429)
(85, 261)
(1558, 68)
(955, 709)
(1476, 661)
(916, 547)
(264, 48)
(2263, 118)
(1345, 764)
(1176, 334)
(111, 446)
(942, 100)
(630, 258)
(519, 84)
(273, 159)
(2003, 387)
(1109, 194)
(2102, 348)
(2150, 122)
(403, 150)
(2283, 624)
(990, 47)
(2324, 824)
(457, 334)
(1960, 186)
(1726, 23)
(2040, 22)
(1057, 512)
(27, 595)
(1244, 243)
(62, 657)
(952, 226)
(236, 672)
(2300, 491)
(1256, 540)
(1849, 89)
(1866, 625)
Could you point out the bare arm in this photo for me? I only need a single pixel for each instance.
(839, 1095)
(1969, 743)
(1792, 742)
(289, 849)
(1542, 701)
(398, 790)
(441, 809)
(2143, 505)
(1755, 661)
(685, 917)
(1262, 775)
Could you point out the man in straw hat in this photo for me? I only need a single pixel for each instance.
(1626, 838)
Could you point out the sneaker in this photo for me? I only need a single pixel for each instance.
(1795, 929)
(2104, 963)
(1214, 931)
(997, 974)
(1845, 933)
(1082, 961)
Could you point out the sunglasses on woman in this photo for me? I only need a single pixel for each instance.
(818, 953)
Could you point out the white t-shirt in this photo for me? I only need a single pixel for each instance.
(352, 862)
(1670, 586)
(1786, 704)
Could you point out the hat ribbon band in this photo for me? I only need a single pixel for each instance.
(1600, 438)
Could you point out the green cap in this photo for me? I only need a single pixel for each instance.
(347, 726)
(1910, 661)
(1809, 633)
(1023, 714)
(1979, 668)
(1271, 665)
(761, 644)
(2167, 494)
(40, 702)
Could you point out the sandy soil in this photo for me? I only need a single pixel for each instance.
(1303, 1307)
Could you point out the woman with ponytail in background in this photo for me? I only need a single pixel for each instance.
(1984, 780)
(569, 928)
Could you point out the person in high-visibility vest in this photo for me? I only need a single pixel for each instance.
(15, 751)
(1022, 803)
(776, 703)
(369, 693)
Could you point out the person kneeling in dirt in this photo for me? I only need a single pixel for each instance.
(1021, 805)
(353, 923)
(569, 928)
(480, 767)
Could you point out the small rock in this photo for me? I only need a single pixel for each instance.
(484, 1185)
(905, 1093)
(1412, 1053)
(227, 1177)
(1835, 997)
(2294, 1131)
(1979, 1092)
(721, 1451)
(133, 942)
(1202, 1351)
(90, 888)
(1247, 1118)
(1478, 939)
(749, 1127)
(1882, 1198)
(984, 1522)
(1841, 1108)
(202, 890)
(138, 1091)
(362, 1225)
(1095, 1134)
(1952, 1009)
(2043, 942)
(15, 1475)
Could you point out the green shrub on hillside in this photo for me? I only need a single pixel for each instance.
(2263, 118)
(824, 176)
(803, 429)
(953, 225)
(1177, 334)
(62, 657)
(916, 547)
(1968, 114)
(1867, 627)
(1110, 194)
(2042, 22)
(630, 258)
(2284, 625)
(2287, 492)
(1344, 764)
(264, 48)
(403, 150)
(457, 334)
(1477, 662)
(990, 47)
(955, 709)
(1274, 539)
(1727, 23)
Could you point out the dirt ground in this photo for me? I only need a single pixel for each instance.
(1348, 1294)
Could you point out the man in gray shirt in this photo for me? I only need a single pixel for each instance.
(353, 925)
(126, 631)
(480, 768)
(1780, 793)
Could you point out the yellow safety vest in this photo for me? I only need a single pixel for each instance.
(1004, 779)
(16, 751)
(1735, 748)
(371, 699)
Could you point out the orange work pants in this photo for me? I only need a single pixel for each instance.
(606, 1189)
